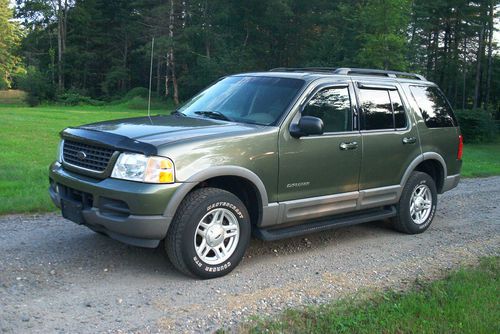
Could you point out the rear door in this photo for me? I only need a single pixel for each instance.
(390, 140)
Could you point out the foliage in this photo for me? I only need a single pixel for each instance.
(109, 42)
(384, 37)
(33, 132)
(36, 85)
(477, 125)
(73, 98)
(10, 38)
(464, 302)
(137, 91)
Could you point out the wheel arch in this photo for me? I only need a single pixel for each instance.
(253, 193)
(431, 163)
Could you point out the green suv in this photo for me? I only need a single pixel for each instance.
(274, 154)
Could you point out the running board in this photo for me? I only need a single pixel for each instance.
(336, 222)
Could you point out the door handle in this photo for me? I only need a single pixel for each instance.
(348, 146)
(409, 140)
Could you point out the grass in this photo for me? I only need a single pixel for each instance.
(29, 138)
(465, 302)
(481, 160)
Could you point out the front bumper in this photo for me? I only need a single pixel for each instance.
(130, 212)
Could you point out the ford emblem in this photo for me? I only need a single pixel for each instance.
(81, 155)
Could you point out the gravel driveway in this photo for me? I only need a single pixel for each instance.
(56, 276)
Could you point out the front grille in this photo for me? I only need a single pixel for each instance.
(86, 156)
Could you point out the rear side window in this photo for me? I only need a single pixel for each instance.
(435, 109)
(382, 109)
(333, 106)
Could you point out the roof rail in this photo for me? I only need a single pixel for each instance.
(351, 71)
(303, 69)
(366, 71)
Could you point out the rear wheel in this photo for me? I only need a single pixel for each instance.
(209, 234)
(417, 205)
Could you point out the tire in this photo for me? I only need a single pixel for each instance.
(418, 191)
(209, 233)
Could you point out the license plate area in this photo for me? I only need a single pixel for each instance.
(72, 210)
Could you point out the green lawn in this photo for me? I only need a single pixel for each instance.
(481, 160)
(465, 302)
(29, 136)
(28, 143)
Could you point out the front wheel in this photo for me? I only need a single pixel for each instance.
(209, 234)
(417, 205)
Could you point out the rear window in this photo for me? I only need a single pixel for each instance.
(434, 108)
(382, 109)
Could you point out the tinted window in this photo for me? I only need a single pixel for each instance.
(248, 99)
(434, 108)
(333, 106)
(377, 111)
(399, 109)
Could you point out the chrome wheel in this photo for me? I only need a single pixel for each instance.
(217, 236)
(420, 204)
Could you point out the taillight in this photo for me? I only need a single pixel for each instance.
(460, 147)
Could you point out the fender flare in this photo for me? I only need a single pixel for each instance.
(206, 174)
(421, 158)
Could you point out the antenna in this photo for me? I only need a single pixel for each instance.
(150, 75)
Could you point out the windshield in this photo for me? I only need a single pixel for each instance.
(247, 99)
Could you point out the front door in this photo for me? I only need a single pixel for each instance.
(313, 167)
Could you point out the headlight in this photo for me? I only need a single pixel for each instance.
(59, 153)
(138, 167)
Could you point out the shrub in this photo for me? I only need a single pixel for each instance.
(136, 92)
(73, 98)
(477, 126)
(140, 103)
(37, 86)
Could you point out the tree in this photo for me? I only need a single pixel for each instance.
(383, 34)
(10, 39)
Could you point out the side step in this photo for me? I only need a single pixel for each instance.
(271, 234)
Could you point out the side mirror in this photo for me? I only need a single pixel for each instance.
(307, 126)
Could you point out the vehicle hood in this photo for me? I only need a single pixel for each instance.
(161, 130)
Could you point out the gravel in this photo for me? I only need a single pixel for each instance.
(56, 276)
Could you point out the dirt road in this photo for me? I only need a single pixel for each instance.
(56, 276)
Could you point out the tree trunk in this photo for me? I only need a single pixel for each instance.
(170, 56)
(477, 87)
(60, 47)
(490, 54)
(464, 98)
(158, 76)
(62, 19)
(123, 81)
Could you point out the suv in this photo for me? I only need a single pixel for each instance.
(274, 154)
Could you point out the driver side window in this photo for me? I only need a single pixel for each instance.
(333, 106)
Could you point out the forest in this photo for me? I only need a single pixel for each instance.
(101, 49)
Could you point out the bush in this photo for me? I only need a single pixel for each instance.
(136, 92)
(140, 103)
(73, 98)
(37, 86)
(477, 126)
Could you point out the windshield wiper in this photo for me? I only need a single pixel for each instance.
(213, 114)
(178, 113)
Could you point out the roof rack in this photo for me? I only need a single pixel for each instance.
(303, 69)
(390, 74)
(352, 71)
